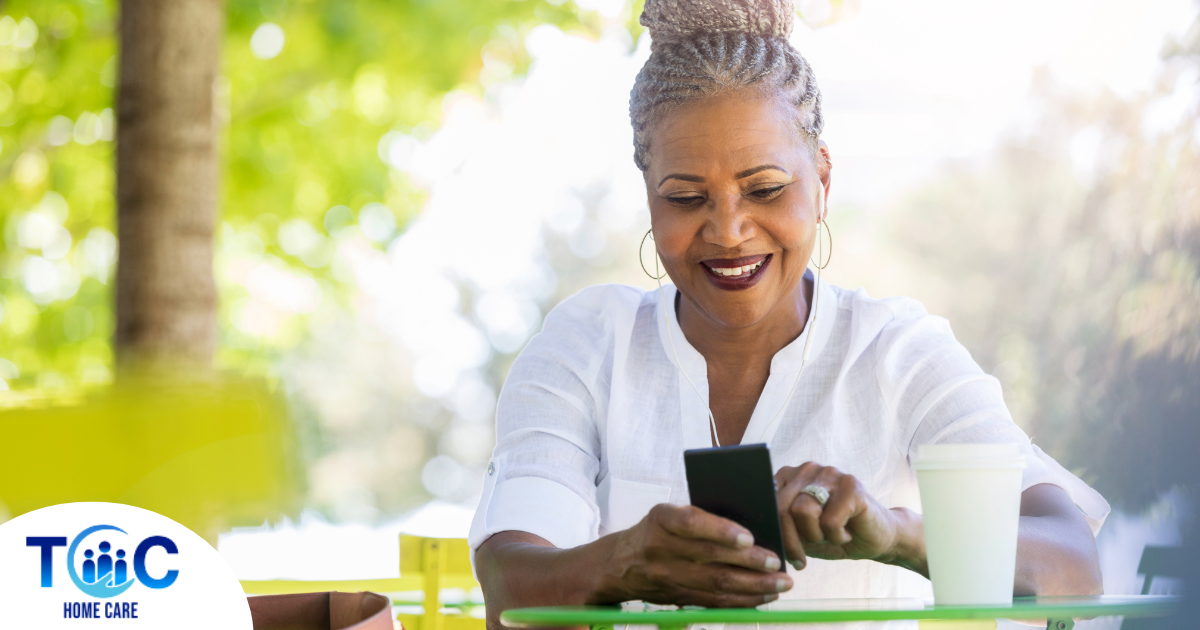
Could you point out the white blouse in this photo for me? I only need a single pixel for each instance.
(594, 417)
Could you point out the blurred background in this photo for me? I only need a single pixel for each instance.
(406, 188)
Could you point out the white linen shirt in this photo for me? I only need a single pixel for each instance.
(594, 417)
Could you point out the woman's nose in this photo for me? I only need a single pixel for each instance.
(728, 224)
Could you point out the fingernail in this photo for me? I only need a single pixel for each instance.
(769, 598)
(798, 565)
(744, 540)
(772, 564)
(782, 584)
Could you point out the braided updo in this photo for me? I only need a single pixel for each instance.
(701, 48)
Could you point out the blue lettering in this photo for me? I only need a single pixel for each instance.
(47, 544)
(139, 562)
(120, 610)
(66, 610)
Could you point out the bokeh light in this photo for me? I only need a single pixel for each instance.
(267, 41)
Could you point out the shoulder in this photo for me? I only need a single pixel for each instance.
(896, 334)
(887, 319)
(600, 301)
(595, 308)
(588, 322)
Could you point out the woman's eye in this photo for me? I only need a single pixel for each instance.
(685, 200)
(766, 193)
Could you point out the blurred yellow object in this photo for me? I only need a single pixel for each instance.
(210, 455)
(427, 565)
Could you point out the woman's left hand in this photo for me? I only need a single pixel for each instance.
(852, 525)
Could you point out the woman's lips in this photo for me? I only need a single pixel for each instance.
(736, 274)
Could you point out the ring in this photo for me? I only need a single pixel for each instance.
(817, 492)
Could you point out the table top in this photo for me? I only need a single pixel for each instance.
(835, 610)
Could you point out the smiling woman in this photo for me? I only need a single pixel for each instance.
(585, 499)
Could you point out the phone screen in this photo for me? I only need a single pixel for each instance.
(735, 482)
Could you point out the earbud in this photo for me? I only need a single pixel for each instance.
(820, 204)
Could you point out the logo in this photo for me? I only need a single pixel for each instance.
(104, 571)
(108, 565)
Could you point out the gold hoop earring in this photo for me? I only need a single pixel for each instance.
(643, 262)
(829, 256)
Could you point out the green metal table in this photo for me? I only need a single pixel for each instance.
(1060, 612)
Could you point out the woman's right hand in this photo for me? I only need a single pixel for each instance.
(682, 555)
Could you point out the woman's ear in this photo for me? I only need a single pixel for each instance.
(824, 164)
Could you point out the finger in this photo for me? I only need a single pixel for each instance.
(704, 551)
(842, 505)
(792, 546)
(789, 486)
(806, 512)
(689, 521)
(725, 579)
(804, 508)
(842, 502)
(784, 475)
(791, 482)
(846, 501)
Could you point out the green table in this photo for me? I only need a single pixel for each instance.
(1059, 611)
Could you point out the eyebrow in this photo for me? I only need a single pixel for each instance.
(744, 174)
(758, 169)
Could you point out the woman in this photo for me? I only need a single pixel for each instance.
(585, 499)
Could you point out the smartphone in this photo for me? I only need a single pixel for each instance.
(735, 482)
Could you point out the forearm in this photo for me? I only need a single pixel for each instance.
(518, 570)
(1056, 556)
(1056, 552)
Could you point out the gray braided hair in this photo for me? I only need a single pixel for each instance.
(702, 48)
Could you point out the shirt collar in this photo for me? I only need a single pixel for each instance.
(788, 358)
(674, 344)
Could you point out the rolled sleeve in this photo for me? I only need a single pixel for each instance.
(940, 395)
(536, 506)
(542, 477)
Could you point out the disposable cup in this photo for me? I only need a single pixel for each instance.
(971, 502)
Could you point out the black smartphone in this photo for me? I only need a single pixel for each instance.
(735, 482)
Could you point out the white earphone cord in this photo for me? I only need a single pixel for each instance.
(808, 328)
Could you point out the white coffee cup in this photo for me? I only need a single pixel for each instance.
(971, 501)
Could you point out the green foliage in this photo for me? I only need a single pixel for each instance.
(300, 135)
(56, 72)
(1069, 264)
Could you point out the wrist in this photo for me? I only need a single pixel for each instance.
(908, 544)
(609, 584)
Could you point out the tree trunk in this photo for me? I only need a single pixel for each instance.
(167, 182)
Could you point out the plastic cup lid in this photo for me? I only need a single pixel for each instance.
(932, 456)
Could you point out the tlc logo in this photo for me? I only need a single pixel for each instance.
(105, 574)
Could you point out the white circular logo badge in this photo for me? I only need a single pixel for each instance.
(108, 565)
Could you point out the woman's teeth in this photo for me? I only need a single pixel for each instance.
(738, 271)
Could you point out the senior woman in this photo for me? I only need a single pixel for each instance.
(585, 500)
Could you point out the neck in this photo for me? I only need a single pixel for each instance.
(741, 348)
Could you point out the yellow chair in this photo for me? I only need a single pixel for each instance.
(427, 566)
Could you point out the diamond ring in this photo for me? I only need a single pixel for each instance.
(816, 492)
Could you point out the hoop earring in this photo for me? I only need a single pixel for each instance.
(829, 256)
(643, 263)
